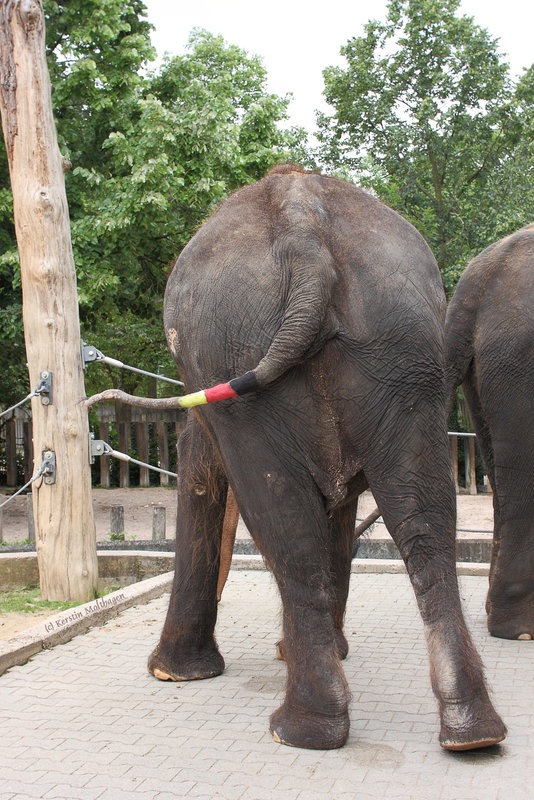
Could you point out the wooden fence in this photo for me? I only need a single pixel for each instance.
(148, 436)
(151, 436)
(465, 442)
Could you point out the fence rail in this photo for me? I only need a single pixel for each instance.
(151, 436)
(145, 435)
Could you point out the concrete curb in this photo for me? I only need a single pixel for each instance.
(63, 627)
(363, 565)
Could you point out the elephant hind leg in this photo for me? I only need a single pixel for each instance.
(340, 547)
(507, 445)
(285, 513)
(187, 649)
(414, 489)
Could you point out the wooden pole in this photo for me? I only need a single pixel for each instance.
(116, 520)
(63, 511)
(11, 452)
(470, 473)
(159, 520)
(454, 456)
(124, 466)
(105, 475)
(28, 450)
(141, 437)
(163, 451)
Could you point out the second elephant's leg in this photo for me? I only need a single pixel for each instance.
(187, 648)
(506, 440)
(231, 520)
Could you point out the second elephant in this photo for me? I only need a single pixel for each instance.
(490, 352)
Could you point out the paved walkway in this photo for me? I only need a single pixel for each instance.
(84, 721)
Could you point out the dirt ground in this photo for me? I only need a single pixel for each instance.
(475, 513)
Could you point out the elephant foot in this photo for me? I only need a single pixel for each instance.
(342, 647)
(298, 728)
(197, 666)
(512, 628)
(467, 725)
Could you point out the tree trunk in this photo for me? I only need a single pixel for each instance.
(63, 512)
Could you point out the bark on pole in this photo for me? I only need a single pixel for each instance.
(63, 512)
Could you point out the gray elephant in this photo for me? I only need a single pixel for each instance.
(490, 352)
(329, 309)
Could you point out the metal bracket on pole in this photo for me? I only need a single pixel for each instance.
(48, 467)
(44, 389)
(90, 353)
(97, 447)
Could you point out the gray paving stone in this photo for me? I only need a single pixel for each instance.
(87, 722)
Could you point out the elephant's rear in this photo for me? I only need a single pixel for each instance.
(490, 325)
(334, 305)
(286, 265)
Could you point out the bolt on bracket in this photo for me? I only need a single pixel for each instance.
(44, 388)
(98, 447)
(90, 353)
(48, 467)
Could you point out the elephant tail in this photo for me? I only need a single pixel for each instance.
(307, 323)
(307, 275)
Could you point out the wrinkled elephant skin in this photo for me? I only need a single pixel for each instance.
(490, 352)
(333, 306)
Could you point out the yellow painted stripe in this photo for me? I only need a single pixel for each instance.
(195, 399)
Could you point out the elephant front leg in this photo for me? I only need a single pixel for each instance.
(314, 713)
(187, 649)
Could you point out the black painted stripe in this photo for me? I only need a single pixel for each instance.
(245, 383)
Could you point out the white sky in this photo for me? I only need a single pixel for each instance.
(297, 40)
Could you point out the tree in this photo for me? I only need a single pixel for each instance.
(425, 115)
(510, 187)
(196, 130)
(151, 156)
(63, 513)
(95, 49)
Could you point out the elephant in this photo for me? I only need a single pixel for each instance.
(316, 315)
(490, 353)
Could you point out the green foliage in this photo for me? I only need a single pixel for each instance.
(426, 117)
(199, 128)
(152, 154)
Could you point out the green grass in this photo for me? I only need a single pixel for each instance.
(27, 601)
(15, 544)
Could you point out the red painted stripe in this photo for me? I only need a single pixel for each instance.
(222, 391)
